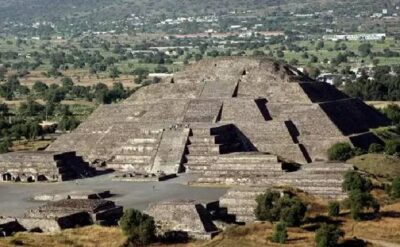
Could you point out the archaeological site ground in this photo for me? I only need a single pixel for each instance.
(213, 136)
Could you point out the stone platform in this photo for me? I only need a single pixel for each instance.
(182, 217)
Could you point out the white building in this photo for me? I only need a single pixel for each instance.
(353, 37)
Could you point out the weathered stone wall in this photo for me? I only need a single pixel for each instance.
(42, 166)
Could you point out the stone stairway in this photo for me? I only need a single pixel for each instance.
(242, 169)
(138, 153)
(74, 168)
(205, 144)
(240, 202)
(319, 179)
(323, 180)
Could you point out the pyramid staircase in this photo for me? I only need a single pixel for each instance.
(242, 169)
(74, 168)
(138, 153)
(205, 144)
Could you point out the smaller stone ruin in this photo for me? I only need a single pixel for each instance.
(43, 167)
(69, 213)
(81, 194)
(183, 219)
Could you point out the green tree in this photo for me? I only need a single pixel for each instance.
(67, 83)
(395, 191)
(280, 54)
(392, 111)
(359, 201)
(39, 87)
(5, 146)
(138, 227)
(375, 148)
(334, 209)
(30, 108)
(327, 236)
(320, 45)
(114, 72)
(3, 72)
(4, 110)
(392, 147)
(365, 49)
(354, 181)
(272, 207)
(68, 123)
(340, 152)
(280, 234)
(265, 209)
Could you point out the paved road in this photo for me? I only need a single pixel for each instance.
(16, 198)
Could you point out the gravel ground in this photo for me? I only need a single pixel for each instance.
(16, 198)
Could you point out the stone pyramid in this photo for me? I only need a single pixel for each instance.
(218, 106)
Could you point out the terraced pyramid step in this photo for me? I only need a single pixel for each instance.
(211, 139)
(247, 158)
(132, 158)
(254, 167)
(234, 180)
(142, 148)
(124, 167)
(143, 141)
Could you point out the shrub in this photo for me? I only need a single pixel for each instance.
(334, 209)
(358, 151)
(359, 200)
(265, 209)
(272, 207)
(138, 227)
(376, 148)
(396, 188)
(327, 236)
(393, 113)
(5, 146)
(354, 181)
(340, 152)
(292, 210)
(392, 147)
(280, 234)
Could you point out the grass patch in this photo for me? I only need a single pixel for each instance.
(26, 145)
(378, 164)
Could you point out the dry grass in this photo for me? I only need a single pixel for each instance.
(387, 228)
(257, 234)
(30, 145)
(382, 104)
(93, 236)
(378, 164)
